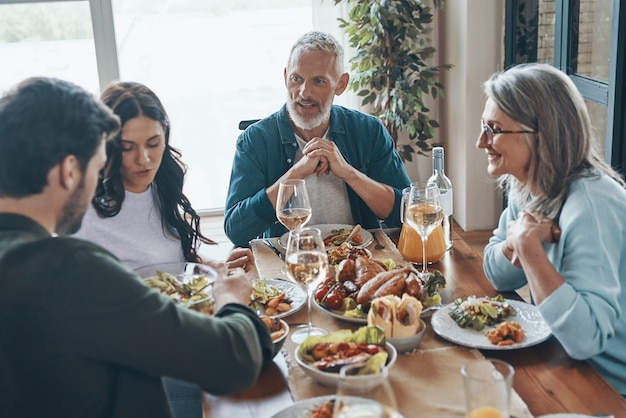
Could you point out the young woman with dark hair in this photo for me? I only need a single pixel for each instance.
(140, 212)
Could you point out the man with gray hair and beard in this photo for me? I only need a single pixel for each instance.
(347, 158)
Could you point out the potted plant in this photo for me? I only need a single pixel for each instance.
(391, 74)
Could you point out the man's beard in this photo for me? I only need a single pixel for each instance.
(73, 211)
(310, 122)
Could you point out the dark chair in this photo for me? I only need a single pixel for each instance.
(245, 123)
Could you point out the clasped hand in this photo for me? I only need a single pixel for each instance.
(326, 157)
(530, 230)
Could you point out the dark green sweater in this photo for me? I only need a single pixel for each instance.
(81, 336)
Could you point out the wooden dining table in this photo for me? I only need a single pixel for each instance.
(546, 378)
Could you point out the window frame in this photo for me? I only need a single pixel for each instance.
(521, 42)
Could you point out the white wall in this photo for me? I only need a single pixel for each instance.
(472, 40)
(470, 37)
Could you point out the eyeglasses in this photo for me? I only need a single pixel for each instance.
(491, 132)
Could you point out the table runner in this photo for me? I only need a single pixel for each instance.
(427, 383)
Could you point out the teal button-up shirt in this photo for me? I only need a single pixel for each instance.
(267, 150)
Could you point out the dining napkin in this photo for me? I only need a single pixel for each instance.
(267, 262)
(427, 383)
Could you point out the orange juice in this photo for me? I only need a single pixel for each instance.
(410, 245)
(486, 412)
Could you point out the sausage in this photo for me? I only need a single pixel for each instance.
(393, 286)
(345, 270)
(367, 291)
(366, 269)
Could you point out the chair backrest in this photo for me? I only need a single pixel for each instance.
(245, 123)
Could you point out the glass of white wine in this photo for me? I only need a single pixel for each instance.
(373, 398)
(423, 213)
(293, 207)
(306, 263)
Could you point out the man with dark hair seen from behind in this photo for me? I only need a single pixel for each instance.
(80, 335)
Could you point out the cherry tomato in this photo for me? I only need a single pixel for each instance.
(322, 289)
(335, 296)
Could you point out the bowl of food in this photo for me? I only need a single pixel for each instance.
(278, 331)
(321, 357)
(399, 318)
(410, 342)
(187, 284)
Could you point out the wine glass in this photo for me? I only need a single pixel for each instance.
(372, 398)
(423, 213)
(306, 264)
(293, 207)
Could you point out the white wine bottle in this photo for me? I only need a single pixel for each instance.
(445, 192)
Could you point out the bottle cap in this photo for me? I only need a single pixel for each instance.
(438, 152)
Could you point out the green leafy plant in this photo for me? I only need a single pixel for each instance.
(390, 70)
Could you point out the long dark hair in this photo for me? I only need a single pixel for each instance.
(129, 100)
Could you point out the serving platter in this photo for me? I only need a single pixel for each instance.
(326, 230)
(535, 327)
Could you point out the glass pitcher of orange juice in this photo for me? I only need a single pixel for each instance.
(410, 242)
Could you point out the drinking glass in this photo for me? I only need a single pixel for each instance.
(293, 207)
(423, 213)
(306, 263)
(370, 398)
(487, 384)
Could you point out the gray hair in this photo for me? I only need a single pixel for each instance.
(543, 99)
(318, 41)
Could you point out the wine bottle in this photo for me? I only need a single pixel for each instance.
(445, 191)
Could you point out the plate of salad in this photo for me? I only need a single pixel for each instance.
(276, 298)
(466, 321)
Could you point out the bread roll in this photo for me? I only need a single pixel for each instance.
(382, 313)
(406, 321)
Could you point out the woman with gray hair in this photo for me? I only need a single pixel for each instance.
(562, 232)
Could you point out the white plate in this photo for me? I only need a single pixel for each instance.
(354, 320)
(326, 229)
(292, 291)
(304, 407)
(535, 327)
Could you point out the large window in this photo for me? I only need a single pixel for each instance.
(581, 37)
(212, 63)
(31, 43)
